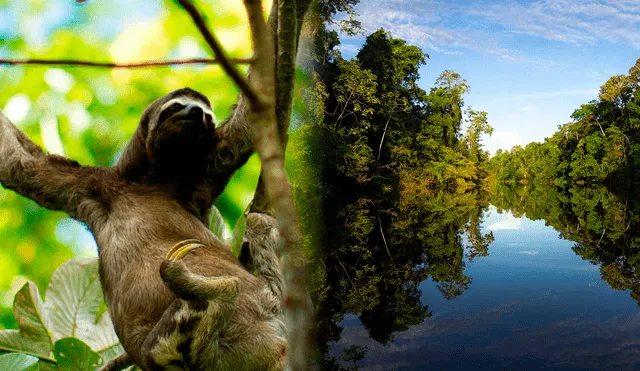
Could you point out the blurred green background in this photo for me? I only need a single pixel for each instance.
(89, 114)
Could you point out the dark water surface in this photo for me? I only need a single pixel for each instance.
(538, 300)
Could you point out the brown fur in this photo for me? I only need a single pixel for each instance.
(158, 194)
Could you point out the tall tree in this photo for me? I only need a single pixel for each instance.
(478, 125)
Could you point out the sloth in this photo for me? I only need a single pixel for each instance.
(178, 297)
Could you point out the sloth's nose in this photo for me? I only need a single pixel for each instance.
(195, 112)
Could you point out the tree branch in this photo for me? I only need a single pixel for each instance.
(279, 195)
(144, 64)
(225, 63)
(288, 20)
(285, 64)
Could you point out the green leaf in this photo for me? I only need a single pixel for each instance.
(105, 341)
(30, 314)
(14, 341)
(238, 235)
(73, 299)
(218, 225)
(73, 354)
(239, 191)
(18, 362)
(47, 366)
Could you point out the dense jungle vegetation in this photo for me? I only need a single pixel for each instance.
(405, 184)
(391, 180)
(397, 173)
(601, 145)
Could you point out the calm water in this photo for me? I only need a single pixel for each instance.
(533, 303)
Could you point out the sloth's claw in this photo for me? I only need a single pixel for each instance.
(182, 248)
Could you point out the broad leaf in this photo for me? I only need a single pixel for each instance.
(14, 341)
(73, 354)
(104, 340)
(18, 362)
(47, 366)
(73, 299)
(29, 312)
(74, 302)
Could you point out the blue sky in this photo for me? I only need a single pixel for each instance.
(529, 63)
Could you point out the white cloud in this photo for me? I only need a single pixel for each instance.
(349, 48)
(425, 24)
(551, 94)
(530, 107)
(446, 27)
(529, 252)
(509, 223)
(593, 74)
(569, 21)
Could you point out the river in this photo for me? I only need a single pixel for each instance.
(533, 299)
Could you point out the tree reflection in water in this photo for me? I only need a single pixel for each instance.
(604, 226)
(378, 252)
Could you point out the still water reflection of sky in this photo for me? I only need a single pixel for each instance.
(533, 304)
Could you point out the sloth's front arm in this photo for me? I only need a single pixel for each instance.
(53, 181)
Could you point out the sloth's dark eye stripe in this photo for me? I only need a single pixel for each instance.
(175, 107)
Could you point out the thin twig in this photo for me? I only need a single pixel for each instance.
(384, 239)
(347, 273)
(262, 42)
(225, 63)
(144, 64)
(602, 236)
(382, 140)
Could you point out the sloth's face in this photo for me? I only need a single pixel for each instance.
(183, 131)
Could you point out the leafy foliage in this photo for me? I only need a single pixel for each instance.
(18, 362)
(69, 330)
(478, 125)
(394, 188)
(73, 354)
(600, 145)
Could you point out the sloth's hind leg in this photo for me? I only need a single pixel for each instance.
(186, 329)
(164, 347)
(191, 286)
